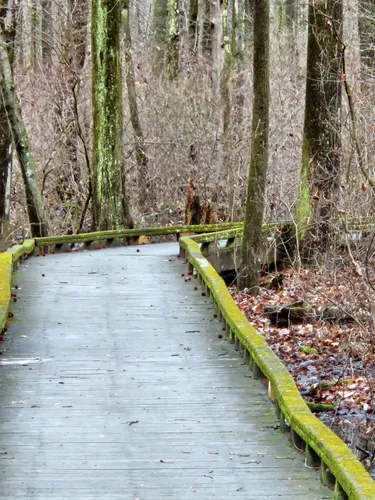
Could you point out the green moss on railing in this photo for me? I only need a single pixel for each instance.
(334, 453)
(7, 260)
(5, 280)
(18, 251)
(133, 233)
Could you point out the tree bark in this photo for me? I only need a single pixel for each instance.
(5, 133)
(252, 237)
(193, 24)
(47, 31)
(204, 41)
(173, 46)
(140, 146)
(160, 39)
(216, 47)
(76, 33)
(230, 49)
(366, 30)
(320, 166)
(36, 24)
(35, 209)
(110, 204)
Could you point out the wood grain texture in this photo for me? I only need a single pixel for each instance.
(116, 385)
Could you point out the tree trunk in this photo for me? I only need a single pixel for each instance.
(203, 28)
(252, 237)
(229, 42)
(47, 31)
(140, 147)
(366, 29)
(320, 166)
(173, 46)
(110, 204)
(160, 39)
(76, 33)
(35, 208)
(36, 24)
(216, 48)
(9, 29)
(193, 24)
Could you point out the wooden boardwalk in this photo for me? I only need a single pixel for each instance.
(116, 385)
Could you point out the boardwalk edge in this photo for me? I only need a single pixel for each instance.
(339, 467)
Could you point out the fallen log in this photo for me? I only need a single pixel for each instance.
(283, 314)
(319, 407)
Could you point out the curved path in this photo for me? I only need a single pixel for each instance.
(115, 384)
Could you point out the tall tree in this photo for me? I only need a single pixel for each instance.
(36, 23)
(216, 47)
(229, 23)
(110, 204)
(160, 38)
(320, 165)
(140, 146)
(35, 209)
(366, 30)
(9, 29)
(203, 28)
(192, 24)
(173, 46)
(255, 202)
(47, 30)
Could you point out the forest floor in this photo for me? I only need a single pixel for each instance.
(317, 322)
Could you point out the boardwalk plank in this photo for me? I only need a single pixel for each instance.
(116, 385)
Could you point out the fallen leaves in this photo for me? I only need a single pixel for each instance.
(317, 350)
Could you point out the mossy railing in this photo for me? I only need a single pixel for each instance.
(7, 261)
(323, 449)
(88, 238)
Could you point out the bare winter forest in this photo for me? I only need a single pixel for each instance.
(121, 113)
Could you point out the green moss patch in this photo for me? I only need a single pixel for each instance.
(5, 285)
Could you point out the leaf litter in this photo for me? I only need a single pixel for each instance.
(332, 359)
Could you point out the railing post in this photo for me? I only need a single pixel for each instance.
(312, 458)
(339, 492)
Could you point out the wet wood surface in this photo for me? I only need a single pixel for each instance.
(116, 384)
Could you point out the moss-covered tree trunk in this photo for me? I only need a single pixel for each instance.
(140, 146)
(160, 37)
(35, 209)
(320, 166)
(110, 204)
(255, 202)
(9, 30)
